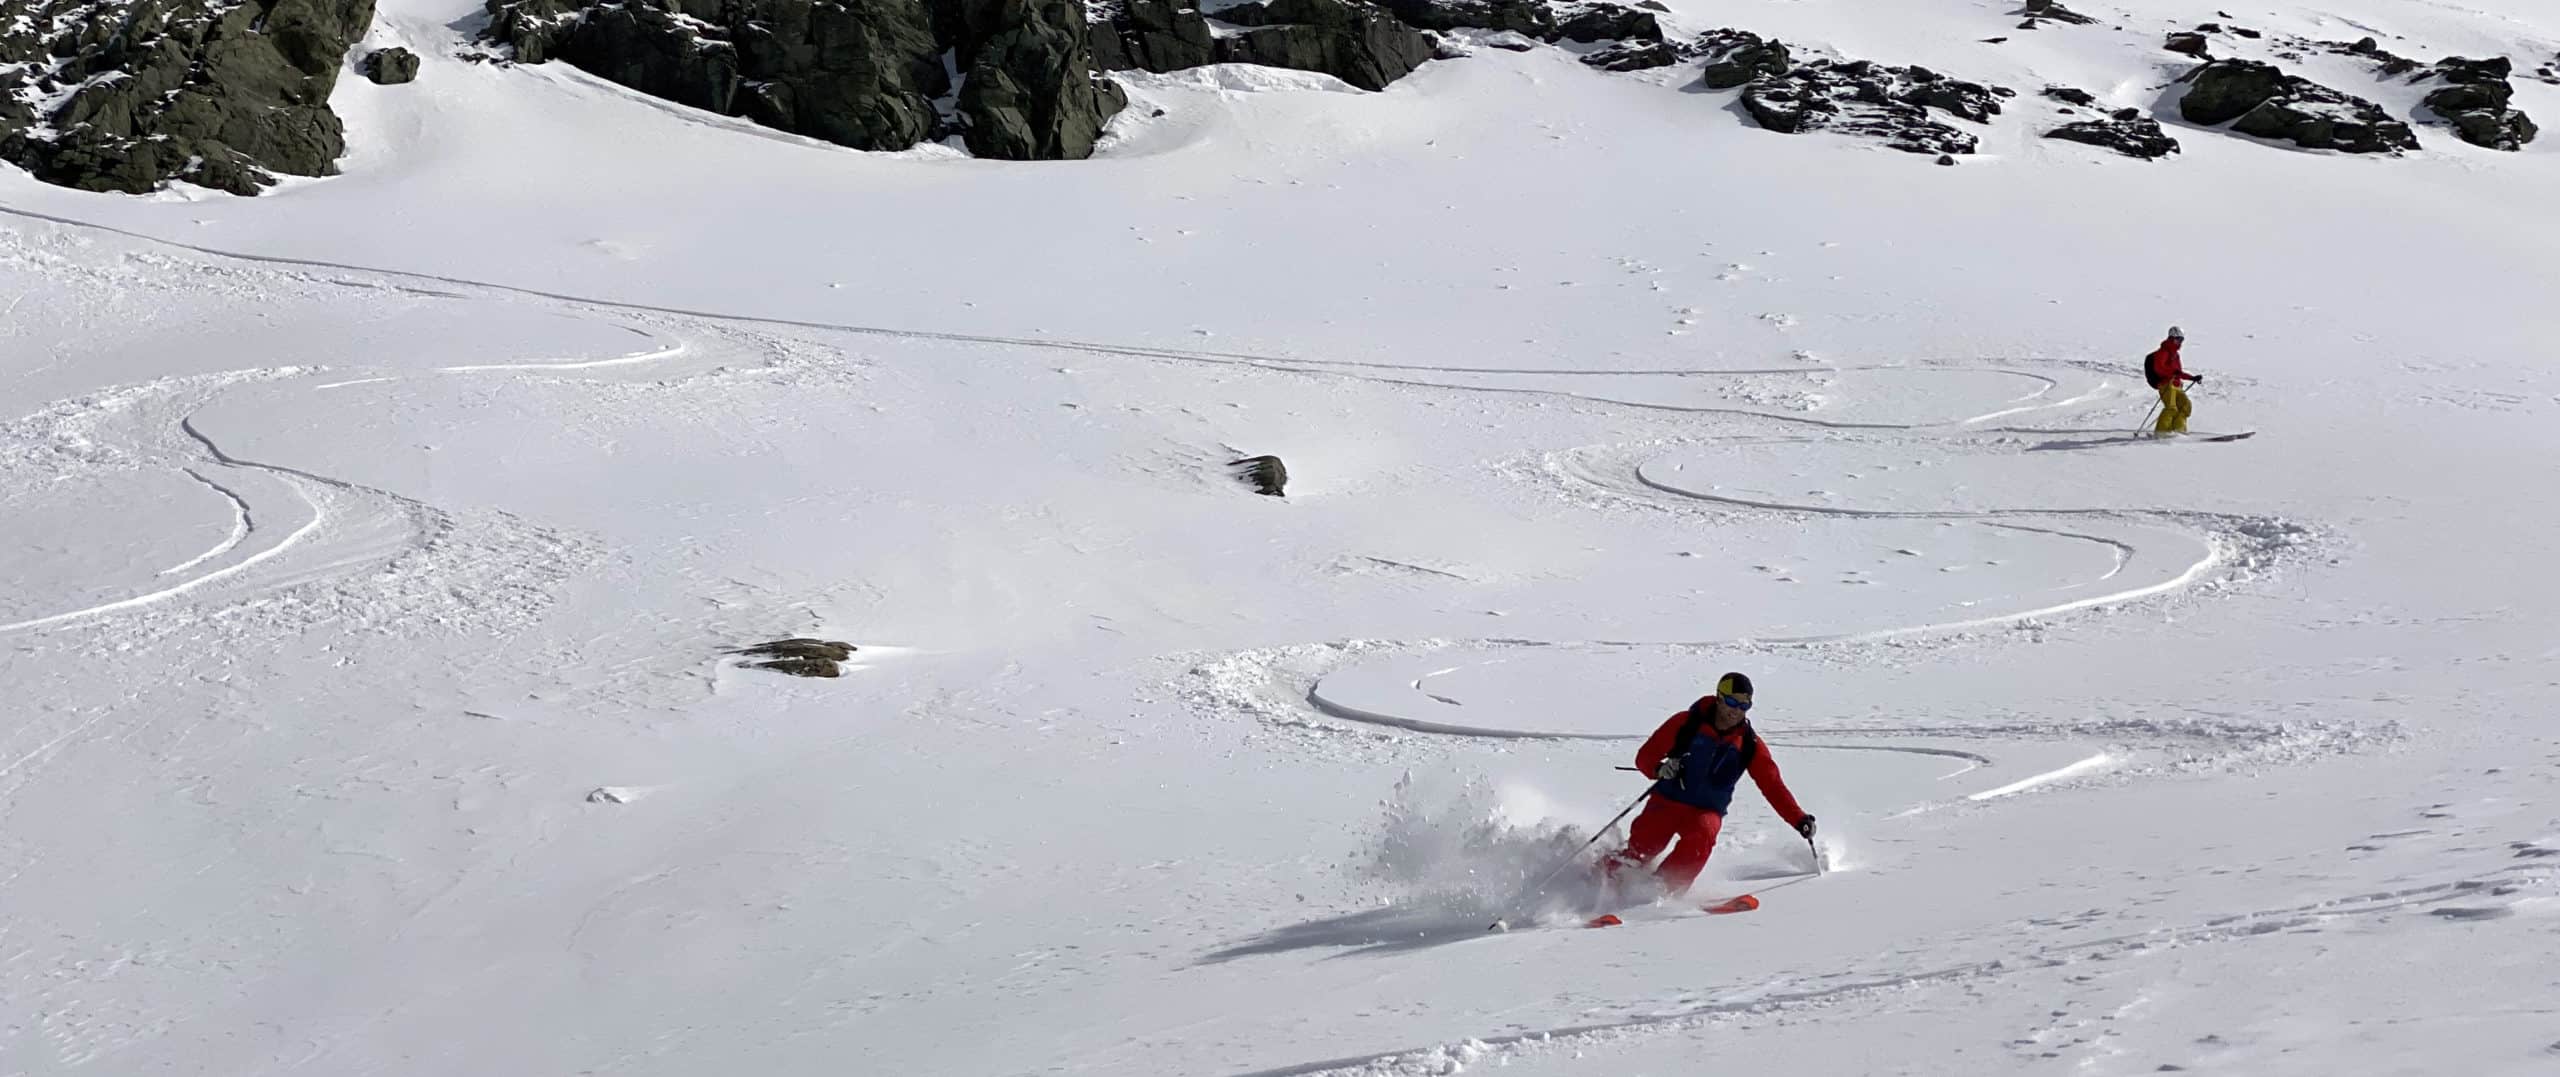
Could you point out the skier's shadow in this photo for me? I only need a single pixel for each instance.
(1370, 932)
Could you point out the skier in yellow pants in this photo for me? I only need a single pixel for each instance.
(2165, 373)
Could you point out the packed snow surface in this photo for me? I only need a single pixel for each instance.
(371, 552)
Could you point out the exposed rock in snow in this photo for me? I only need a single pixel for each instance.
(1348, 39)
(2266, 102)
(1266, 474)
(1857, 96)
(2477, 102)
(124, 95)
(861, 74)
(801, 656)
(1608, 22)
(391, 67)
(2042, 11)
(2128, 132)
(1634, 56)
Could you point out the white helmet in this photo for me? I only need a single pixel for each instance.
(2176, 333)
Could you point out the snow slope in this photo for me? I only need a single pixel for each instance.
(371, 548)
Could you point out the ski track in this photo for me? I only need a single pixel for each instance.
(1775, 998)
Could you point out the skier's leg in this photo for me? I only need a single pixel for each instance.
(2169, 398)
(2186, 407)
(1687, 859)
(1655, 826)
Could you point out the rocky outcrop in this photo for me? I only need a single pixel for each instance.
(1266, 474)
(2128, 132)
(2044, 11)
(860, 73)
(800, 657)
(1607, 22)
(1735, 57)
(1854, 96)
(2260, 99)
(1348, 39)
(1151, 35)
(391, 67)
(1531, 17)
(129, 95)
(2478, 102)
(2070, 96)
(1634, 56)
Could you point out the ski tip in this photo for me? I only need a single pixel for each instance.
(1745, 903)
(1604, 920)
(1498, 925)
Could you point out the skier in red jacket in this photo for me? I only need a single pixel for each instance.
(2167, 374)
(1696, 759)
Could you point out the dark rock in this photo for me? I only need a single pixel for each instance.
(2053, 11)
(2259, 99)
(2477, 103)
(391, 67)
(1531, 17)
(1945, 159)
(1993, 40)
(2135, 136)
(1266, 474)
(2067, 95)
(214, 93)
(1654, 5)
(1029, 92)
(1735, 57)
(1867, 98)
(2127, 114)
(860, 73)
(2190, 44)
(801, 647)
(2243, 31)
(2365, 46)
(800, 656)
(1609, 22)
(1348, 39)
(1634, 57)
(1153, 35)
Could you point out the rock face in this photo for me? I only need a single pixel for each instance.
(1608, 22)
(127, 95)
(2266, 102)
(2038, 11)
(860, 73)
(391, 67)
(1530, 17)
(1855, 96)
(1348, 39)
(2477, 102)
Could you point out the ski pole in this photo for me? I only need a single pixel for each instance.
(2146, 417)
(1550, 876)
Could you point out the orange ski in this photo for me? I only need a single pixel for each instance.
(1745, 903)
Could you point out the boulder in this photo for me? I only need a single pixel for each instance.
(1735, 57)
(1029, 92)
(2189, 44)
(2134, 136)
(391, 67)
(2260, 99)
(220, 94)
(1348, 39)
(2070, 96)
(1634, 56)
(2052, 11)
(1266, 474)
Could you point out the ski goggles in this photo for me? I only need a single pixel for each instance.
(1740, 703)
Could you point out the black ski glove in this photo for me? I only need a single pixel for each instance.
(1669, 770)
(1806, 828)
(2196, 378)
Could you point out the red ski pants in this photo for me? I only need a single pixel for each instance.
(1662, 822)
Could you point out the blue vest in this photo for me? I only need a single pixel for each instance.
(1710, 768)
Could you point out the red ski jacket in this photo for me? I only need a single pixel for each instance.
(2163, 366)
(1715, 761)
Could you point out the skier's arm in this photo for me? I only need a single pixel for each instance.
(1764, 773)
(1649, 757)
